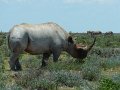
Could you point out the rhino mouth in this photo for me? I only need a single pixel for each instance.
(82, 51)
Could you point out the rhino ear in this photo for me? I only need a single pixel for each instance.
(70, 39)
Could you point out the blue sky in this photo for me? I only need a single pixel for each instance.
(72, 15)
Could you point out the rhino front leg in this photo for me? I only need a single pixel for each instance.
(18, 65)
(45, 59)
(56, 55)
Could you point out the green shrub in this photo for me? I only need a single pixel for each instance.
(49, 80)
(116, 78)
(91, 69)
(67, 78)
(3, 81)
(30, 61)
(111, 62)
(42, 83)
(13, 87)
(108, 84)
(105, 52)
(68, 63)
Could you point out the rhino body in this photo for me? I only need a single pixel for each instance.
(47, 38)
(37, 39)
(94, 33)
(109, 33)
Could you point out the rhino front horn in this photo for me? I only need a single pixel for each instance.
(90, 47)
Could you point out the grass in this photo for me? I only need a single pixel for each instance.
(108, 84)
(99, 71)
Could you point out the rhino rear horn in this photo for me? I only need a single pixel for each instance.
(70, 39)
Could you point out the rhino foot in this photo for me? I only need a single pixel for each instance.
(18, 66)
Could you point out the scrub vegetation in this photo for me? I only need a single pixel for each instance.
(99, 71)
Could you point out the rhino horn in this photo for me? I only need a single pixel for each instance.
(90, 47)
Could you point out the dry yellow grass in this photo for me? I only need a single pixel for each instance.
(112, 71)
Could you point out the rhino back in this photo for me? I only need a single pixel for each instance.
(42, 37)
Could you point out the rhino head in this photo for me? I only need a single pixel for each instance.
(77, 50)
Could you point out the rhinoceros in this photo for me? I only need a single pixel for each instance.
(109, 33)
(46, 38)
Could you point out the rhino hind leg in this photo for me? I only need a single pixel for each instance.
(13, 61)
(45, 59)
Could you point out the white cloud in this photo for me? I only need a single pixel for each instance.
(15, 1)
(88, 1)
(63, 1)
(4, 1)
(73, 1)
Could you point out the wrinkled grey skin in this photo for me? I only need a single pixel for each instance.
(47, 38)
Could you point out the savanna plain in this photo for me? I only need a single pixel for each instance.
(100, 70)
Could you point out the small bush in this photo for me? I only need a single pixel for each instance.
(111, 62)
(108, 84)
(49, 80)
(42, 83)
(91, 69)
(106, 52)
(67, 78)
(13, 87)
(116, 78)
(30, 61)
